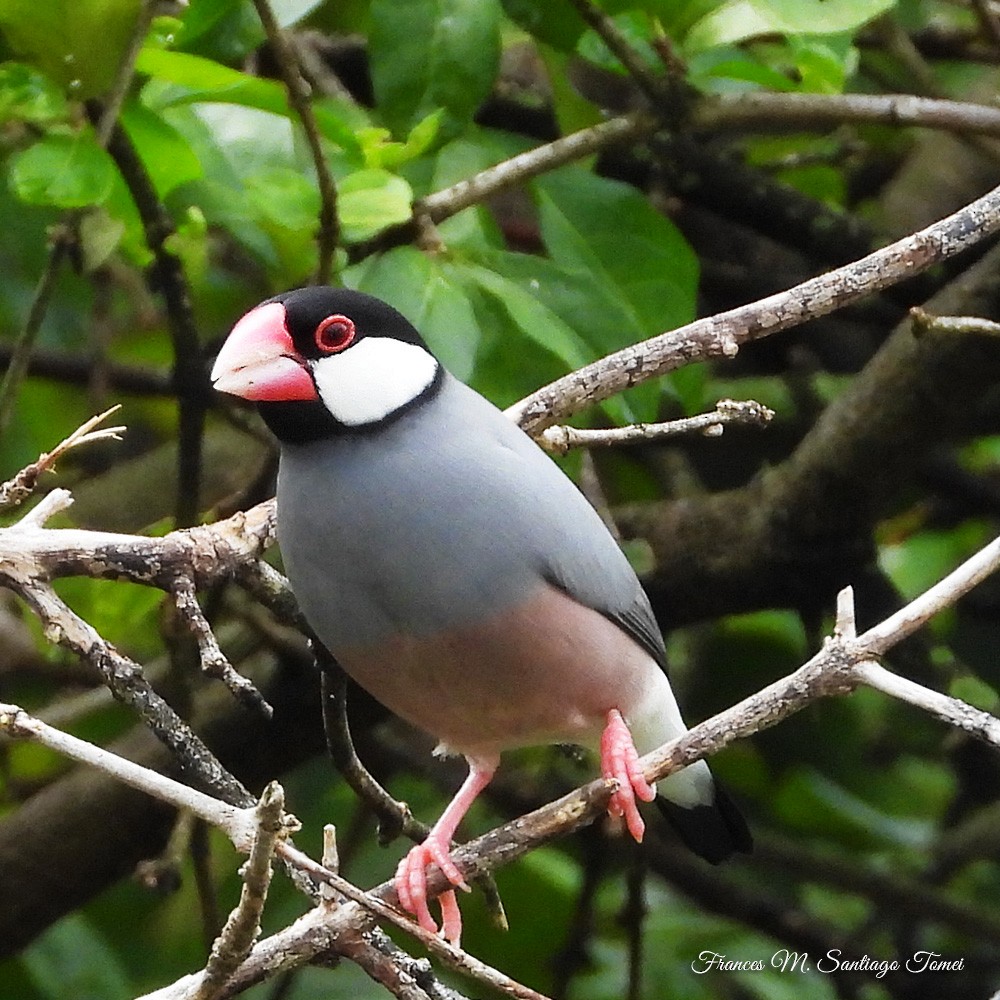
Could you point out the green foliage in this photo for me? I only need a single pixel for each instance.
(79, 44)
(430, 54)
(65, 171)
(72, 959)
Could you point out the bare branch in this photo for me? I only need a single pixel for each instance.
(561, 438)
(474, 190)
(955, 712)
(723, 334)
(650, 84)
(213, 660)
(238, 824)
(16, 490)
(843, 664)
(925, 322)
(764, 109)
(243, 926)
(443, 204)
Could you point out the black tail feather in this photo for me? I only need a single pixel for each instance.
(713, 832)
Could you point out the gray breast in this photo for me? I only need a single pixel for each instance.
(442, 517)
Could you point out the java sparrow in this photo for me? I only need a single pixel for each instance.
(453, 569)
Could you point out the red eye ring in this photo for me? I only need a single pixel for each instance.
(334, 334)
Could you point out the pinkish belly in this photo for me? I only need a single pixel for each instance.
(546, 671)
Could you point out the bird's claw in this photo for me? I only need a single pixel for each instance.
(620, 762)
(411, 887)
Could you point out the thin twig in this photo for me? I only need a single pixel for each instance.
(299, 98)
(394, 817)
(118, 91)
(21, 354)
(166, 276)
(474, 190)
(237, 823)
(243, 926)
(561, 438)
(542, 159)
(213, 661)
(925, 322)
(18, 489)
(453, 956)
(650, 84)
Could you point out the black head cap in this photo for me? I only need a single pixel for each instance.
(306, 308)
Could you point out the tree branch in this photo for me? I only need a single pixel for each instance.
(837, 669)
(722, 335)
(563, 437)
(761, 109)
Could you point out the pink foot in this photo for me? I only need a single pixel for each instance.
(411, 887)
(620, 761)
(411, 875)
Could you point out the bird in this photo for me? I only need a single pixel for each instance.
(455, 571)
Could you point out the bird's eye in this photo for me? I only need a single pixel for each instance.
(334, 334)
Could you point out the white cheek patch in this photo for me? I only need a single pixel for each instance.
(372, 379)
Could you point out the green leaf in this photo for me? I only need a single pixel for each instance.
(710, 72)
(820, 17)
(286, 198)
(207, 80)
(197, 79)
(165, 153)
(29, 96)
(380, 151)
(67, 171)
(370, 200)
(555, 22)
(425, 290)
(531, 317)
(77, 43)
(72, 960)
(100, 234)
(588, 306)
(429, 54)
(514, 310)
(741, 19)
(608, 229)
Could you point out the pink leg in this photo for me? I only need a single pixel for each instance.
(620, 761)
(411, 874)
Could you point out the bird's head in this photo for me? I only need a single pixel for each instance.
(321, 361)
